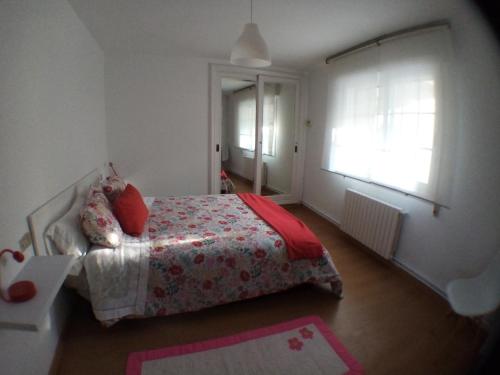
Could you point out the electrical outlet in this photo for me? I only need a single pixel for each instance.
(25, 241)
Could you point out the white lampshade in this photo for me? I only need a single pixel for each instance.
(250, 49)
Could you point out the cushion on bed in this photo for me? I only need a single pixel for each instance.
(66, 234)
(130, 210)
(113, 186)
(95, 194)
(98, 222)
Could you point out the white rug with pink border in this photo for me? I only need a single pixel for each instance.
(301, 346)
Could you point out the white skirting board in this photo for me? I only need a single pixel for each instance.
(420, 278)
(394, 260)
(321, 213)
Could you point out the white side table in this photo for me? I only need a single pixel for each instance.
(48, 273)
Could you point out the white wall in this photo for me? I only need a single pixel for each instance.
(52, 132)
(157, 121)
(460, 241)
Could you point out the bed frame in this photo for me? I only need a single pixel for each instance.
(52, 210)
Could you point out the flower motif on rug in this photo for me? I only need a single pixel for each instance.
(306, 334)
(295, 344)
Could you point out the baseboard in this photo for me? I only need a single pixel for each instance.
(394, 261)
(419, 277)
(321, 213)
(239, 176)
(273, 189)
(248, 181)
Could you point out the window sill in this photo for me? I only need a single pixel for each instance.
(436, 205)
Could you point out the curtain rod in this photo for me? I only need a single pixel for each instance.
(383, 37)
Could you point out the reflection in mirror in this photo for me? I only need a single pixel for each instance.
(278, 137)
(238, 135)
(239, 112)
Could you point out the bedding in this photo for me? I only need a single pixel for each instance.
(98, 222)
(300, 242)
(65, 233)
(96, 194)
(196, 252)
(113, 186)
(130, 211)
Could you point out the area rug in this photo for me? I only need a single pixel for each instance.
(301, 346)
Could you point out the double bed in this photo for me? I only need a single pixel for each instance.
(195, 252)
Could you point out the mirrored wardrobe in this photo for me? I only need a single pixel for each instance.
(256, 135)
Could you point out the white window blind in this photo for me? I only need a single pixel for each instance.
(389, 118)
(270, 111)
(245, 120)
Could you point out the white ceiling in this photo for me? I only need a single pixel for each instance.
(299, 33)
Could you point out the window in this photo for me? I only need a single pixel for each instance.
(388, 116)
(269, 123)
(245, 118)
(245, 123)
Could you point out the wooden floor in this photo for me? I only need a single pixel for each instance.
(390, 322)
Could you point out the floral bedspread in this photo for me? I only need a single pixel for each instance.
(212, 249)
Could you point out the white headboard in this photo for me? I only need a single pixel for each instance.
(55, 208)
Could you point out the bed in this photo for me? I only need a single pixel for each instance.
(195, 252)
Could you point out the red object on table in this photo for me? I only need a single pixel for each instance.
(22, 290)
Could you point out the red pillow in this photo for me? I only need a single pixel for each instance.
(130, 211)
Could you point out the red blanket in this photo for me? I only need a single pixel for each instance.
(301, 243)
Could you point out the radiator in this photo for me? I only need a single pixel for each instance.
(249, 167)
(374, 223)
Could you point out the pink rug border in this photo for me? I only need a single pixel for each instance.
(135, 360)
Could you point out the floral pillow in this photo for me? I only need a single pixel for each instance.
(98, 222)
(96, 194)
(113, 186)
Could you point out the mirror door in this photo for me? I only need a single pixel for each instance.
(277, 138)
(238, 134)
(254, 133)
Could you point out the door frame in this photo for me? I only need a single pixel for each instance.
(219, 71)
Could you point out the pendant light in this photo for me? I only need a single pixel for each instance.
(250, 49)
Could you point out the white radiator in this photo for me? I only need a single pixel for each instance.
(249, 167)
(374, 223)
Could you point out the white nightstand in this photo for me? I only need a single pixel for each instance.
(48, 273)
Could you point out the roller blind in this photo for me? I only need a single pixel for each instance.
(245, 117)
(390, 118)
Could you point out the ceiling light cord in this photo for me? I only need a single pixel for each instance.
(251, 11)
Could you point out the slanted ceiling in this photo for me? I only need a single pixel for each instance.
(299, 33)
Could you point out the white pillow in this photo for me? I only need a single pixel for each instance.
(65, 233)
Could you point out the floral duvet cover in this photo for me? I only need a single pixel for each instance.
(209, 250)
(197, 252)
